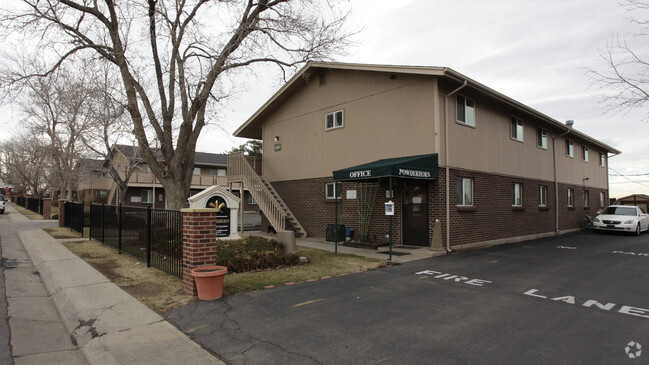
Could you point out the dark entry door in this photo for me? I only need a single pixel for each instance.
(415, 212)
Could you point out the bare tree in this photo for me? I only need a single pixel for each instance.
(625, 72)
(58, 107)
(111, 118)
(174, 57)
(25, 164)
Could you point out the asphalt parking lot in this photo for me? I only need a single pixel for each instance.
(578, 298)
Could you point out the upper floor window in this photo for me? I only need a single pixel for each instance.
(570, 151)
(197, 171)
(602, 159)
(584, 153)
(334, 120)
(517, 129)
(517, 196)
(464, 191)
(217, 172)
(542, 138)
(465, 110)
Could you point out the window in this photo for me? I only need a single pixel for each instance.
(571, 197)
(333, 190)
(465, 110)
(322, 78)
(251, 200)
(586, 198)
(217, 172)
(464, 191)
(197, 170)
(517, 196)
(602, 159)
(543, 196)
(584, 153)
(102, 193)
(147, 196)
(542, 138)
(334, 120)
(602, 200)
(569, 148)
(517, 129)
(144, 168)
(102, 174)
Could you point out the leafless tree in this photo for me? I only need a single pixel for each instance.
(625, 74)
(175, 56)
(25, 164)
(59, 108)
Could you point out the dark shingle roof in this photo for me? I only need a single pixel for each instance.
(201, 158)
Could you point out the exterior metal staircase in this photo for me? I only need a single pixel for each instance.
(270, 203)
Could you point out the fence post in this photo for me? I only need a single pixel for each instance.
(47, 208)
(103, 226)
(120, 215)
(199, 243)
(148, 236)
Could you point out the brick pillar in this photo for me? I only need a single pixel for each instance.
(199, 243)
(47, 208)
(61, 213)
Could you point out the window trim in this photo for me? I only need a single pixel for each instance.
(602, 199)
(541, 136)
(570, 198)
(602, 159)
(516, 125)
(334, 114)
(465, 107)
(517, 188)
(584, 153)
(543, 196)
(570, 148)
(586, 199)
(338, 191)
(460, 194)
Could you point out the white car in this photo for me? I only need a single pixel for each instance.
(622, 218)
(3, 204)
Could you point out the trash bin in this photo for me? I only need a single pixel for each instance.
(350, 233)
(331, 233)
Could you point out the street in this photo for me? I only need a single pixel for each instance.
(575, 298)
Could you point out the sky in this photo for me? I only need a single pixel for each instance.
(536, 52)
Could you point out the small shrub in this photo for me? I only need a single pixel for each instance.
(252, 254)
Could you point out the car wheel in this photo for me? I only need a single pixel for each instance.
(637, 230)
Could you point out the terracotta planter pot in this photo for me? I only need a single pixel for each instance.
(209, 281)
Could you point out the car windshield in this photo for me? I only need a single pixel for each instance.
(2, 198)
(620, 211)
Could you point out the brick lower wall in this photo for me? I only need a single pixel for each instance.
(491, 217)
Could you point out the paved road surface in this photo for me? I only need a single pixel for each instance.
(578, 299)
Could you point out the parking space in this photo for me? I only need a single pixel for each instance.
(577, 298)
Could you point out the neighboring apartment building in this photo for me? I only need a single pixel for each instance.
(497, 170)
(143, 189)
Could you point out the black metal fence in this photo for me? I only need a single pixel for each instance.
(34, 204)
(73, 216)
(20, 201)
(153, 236)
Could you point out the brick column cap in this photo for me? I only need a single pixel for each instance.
(198, 210)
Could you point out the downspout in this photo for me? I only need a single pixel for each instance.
(556, 183)
(448, 194)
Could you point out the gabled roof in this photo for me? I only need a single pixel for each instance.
(200, 158)
(252, 127)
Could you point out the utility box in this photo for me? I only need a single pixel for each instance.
(331, 233)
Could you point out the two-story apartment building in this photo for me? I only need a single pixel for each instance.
(143, 188)
(494, 170)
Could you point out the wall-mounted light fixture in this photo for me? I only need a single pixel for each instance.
(276, 138)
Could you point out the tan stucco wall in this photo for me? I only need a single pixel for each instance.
(383, 118)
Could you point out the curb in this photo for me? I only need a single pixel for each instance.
(108, 325)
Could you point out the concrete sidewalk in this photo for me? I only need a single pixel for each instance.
(61, 310)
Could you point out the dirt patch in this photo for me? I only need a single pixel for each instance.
(62, 232)
(155, 288)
